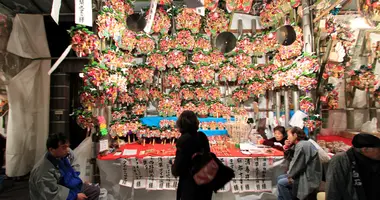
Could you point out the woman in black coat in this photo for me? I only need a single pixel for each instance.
(190, 142)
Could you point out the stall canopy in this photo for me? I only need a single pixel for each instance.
(28, 95)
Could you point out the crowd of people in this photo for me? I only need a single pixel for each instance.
(352, 175)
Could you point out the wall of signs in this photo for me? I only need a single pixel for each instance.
(154, 173)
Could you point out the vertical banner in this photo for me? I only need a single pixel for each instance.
(126, 179)
(226, 187)
(149, 162)
(55, 9)
(161, 176)
(83, 12)
(168, 174)
(138, 173)
(152, 13)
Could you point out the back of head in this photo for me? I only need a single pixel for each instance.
(187, 122)
(299, 132)
(368, 145)
(55, 139)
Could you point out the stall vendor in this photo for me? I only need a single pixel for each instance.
(53, 177)
(278, 141)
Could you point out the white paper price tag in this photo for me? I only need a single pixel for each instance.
(103, 145)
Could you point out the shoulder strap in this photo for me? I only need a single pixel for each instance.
(358, 185)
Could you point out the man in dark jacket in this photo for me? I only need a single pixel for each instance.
(355, 174)
(54, 178)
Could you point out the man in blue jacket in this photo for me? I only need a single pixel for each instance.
(53, 177)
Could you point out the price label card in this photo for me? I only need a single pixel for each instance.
(103, 145)
(125, 183)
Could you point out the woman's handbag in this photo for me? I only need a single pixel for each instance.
(210, 171)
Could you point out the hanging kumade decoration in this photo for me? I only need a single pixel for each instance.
(175, 59)
(188, 19)
(83, 41)
(161, 22)
(216, 22)
(145, 44)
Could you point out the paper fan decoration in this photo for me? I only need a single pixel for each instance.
(127, 41)
(228, 73)
(190, 106)
(87, 99)
(201, 58)
(175, 59)
(155, 94)
(158, 61)
(214, 93)
(216, 59)
(256, 89)
(173, 80)
(125, 98)
(211, 5)
(161, 22)
(187, 94)
(218, 110)
(145, 44)
(122, 7)
(143, 75)
(184, 40)
(166, 43)
(202, 109)
(95, 76)
(84, 119)
(139, 109)
(246, 45)
(205, 75)
(108, 25)
(83, 41)
(239, 5)
(306, 104)
(216, 22)
(188, 19)
(201, 93)
(240, 95)
(110, 94)
(202, 43)
(167, 107)
(165, 2)
(307, 83)
(187, 74)
(241, 60)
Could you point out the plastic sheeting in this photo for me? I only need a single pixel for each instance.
(28, 95)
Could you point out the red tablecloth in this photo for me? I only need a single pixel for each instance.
(332, 138)
(169, 150)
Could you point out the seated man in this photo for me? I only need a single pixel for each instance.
(54, 178)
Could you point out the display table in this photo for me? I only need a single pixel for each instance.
(147, 174)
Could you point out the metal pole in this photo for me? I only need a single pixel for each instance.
(286, 104)
(306, 27)
(278, 105)
(296, 103)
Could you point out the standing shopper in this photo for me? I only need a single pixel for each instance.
(355, 174)
(190, 142)
(305, 170)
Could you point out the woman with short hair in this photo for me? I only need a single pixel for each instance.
(190, 142)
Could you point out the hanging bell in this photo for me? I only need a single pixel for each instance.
(225, 42)
(136, 22)
(286, 35)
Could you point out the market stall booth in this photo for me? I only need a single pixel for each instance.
(239, 65)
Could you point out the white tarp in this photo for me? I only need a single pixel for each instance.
(28, 95)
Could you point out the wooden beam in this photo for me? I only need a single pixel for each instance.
(66, 4)
(327, 11)
(37, 6)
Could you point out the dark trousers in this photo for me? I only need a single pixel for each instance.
(92, 192)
